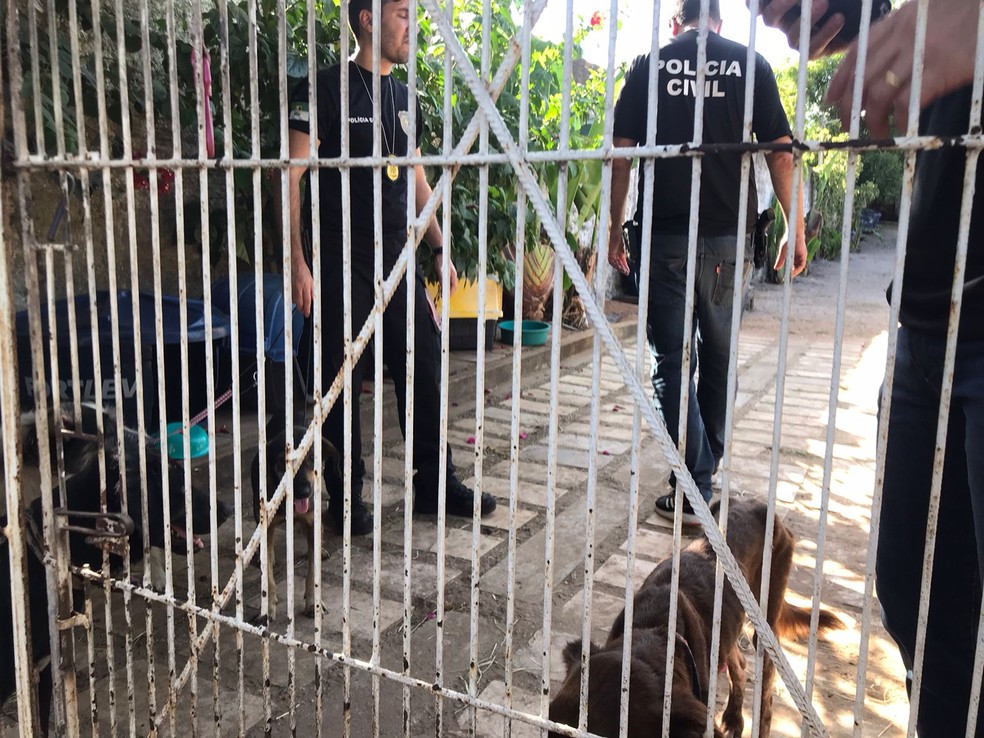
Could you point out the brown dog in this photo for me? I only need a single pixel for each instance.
(304, 500)
(691, 667)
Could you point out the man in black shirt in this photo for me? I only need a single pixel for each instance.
(927, 283)
(717, 234)
(392, 126)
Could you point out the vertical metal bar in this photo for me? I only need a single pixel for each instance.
(33, 47)
(288, 386)
(549, 525)
(347, 390)
(946, 390)
(90, 641)
(688, 338)
(151, 155)
(234, 359)
(732, 382)
(874, 525)
(258, 319)
(408, 556)
(13, 531)
(479, 452)
(792, 215)
(646, 170)
(445, 367)
(378, 346)
(109, 221)
(84, 174)
(838, 356)
(314, 184)
(66, 182)
(886, 392)
(57, 583)
(599, 287)
(974, 123)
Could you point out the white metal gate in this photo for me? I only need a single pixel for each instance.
(392, 618)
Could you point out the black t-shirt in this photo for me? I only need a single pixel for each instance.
(933, 226)
(724, 107)
(394, 123)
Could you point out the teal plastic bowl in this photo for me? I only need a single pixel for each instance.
(535, 332)
(175, 441)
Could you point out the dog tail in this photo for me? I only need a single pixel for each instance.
(794, 622)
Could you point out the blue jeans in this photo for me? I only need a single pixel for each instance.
(710, 348)
(955, 595)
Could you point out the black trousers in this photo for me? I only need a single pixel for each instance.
(393, 344)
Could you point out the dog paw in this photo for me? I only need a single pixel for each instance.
(308, 611)
(260, 620)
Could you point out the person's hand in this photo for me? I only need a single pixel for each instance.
(302, 286)
(616, 250)
(799, 255)
(951, 39)
(822, 39)
(452, 272)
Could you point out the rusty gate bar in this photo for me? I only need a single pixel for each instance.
(517, 363)
(13, 530)
(737, 309)
(407, 550)
(975, 115)
(956, 300)
(551, 471)
(886, 403)
(795, 208)
(57, 585)
(483, 245)
(456, 160)
(835, 375)
(645, 170)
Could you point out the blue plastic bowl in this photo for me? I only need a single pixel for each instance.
(535, 332)
(175, 441)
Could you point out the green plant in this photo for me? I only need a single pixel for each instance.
(884, 170)
(546, 80)
(828, 170)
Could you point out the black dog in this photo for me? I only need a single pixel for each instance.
(81, 453)
(304, 494)
(81, 497)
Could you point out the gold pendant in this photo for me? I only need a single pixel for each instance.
(392, 171)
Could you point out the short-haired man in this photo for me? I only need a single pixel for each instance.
(724, 103)
(394, 44)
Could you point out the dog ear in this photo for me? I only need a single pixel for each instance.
(572, 653)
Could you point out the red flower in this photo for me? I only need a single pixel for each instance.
(597, 19)
(165, 179)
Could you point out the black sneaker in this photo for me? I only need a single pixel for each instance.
(666, 507)
(361, 516)
(460, 501)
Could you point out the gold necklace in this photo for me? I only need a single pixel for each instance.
(392, 171)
